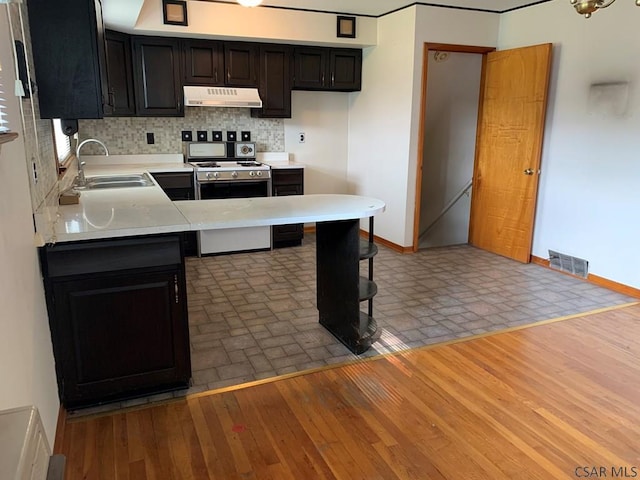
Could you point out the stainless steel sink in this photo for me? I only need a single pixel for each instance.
(116, 181)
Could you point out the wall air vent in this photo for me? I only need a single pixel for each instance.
(566, 263)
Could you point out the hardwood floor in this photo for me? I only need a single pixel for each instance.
(552, 401)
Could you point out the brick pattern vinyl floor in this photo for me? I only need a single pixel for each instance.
(253, 315)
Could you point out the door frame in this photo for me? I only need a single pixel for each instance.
(428, 48)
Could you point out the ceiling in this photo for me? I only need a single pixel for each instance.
(122, 14)
(380, 7)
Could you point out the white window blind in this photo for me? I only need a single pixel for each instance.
(4, 123)
(63, 143)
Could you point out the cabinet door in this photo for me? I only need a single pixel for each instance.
(157, 76)
(310, 65)
(275, 82)
(68, 54)
(120, 96)
(203, 62)
(345, 66)
(241, 64)
(287, 181)
(119, 334)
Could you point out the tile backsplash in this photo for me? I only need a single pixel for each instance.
(128, 135)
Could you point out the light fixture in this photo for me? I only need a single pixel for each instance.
(587, 7)
(249, 3)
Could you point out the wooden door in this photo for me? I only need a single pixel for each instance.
(508, 151)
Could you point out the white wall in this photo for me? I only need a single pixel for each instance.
(27, 371)
(324, 118)
(453, 88)
(589, 196)
(384, 117)
(380, 122)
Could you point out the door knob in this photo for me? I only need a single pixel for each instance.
(528, 171)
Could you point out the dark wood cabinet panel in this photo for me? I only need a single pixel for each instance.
(287, 181)
(120, 94)
(275, 82)
(310, 65)
(346, 69)
(69, 56)
(157, 76)
(338, 69)
(203, 62)
(241, 64)
(118, 318)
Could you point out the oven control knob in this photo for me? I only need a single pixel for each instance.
(234, 174)
(259, 173)
(252, 173)
(209, 175)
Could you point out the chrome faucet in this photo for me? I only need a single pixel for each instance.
(81, 180)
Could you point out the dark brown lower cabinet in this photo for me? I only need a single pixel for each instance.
(287, 181)
(118, 318)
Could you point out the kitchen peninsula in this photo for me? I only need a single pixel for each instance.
(115, 281)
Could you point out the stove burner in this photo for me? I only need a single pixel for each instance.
(208, 164)
(249, 164)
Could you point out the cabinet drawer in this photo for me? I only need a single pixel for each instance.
(287, 176)
(66, 259)
(174, 180)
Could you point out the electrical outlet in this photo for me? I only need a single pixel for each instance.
(202, 135)
(150, 138)
(302, 137)
(187, 136)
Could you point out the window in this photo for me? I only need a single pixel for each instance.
(4, 123)
(63, 142)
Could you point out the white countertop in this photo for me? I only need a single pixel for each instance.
(121, 212)
(277, 160)
(254, 212)
(114, 212)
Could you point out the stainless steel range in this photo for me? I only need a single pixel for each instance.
(229, 170)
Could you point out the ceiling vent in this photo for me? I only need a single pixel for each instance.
(566, 263)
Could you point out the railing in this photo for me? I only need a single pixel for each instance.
(447, 207)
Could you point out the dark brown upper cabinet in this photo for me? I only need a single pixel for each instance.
(241, 64)
(337, 69)
(157, 71)
(275, 82)
(119, 75)
(310, 65)
(69, 56)
(345, 68)
(203, 62)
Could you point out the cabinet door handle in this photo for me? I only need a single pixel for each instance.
(333, 79)
(322, 79)
(176, 289)
(215, 76)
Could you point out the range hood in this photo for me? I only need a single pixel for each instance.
(221, 97)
